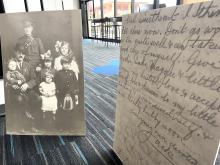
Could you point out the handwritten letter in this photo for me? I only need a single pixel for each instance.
(168, 105)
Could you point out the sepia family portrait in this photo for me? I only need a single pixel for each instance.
(43, 75)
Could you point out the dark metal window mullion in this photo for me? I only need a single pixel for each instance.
(132, 6)
(156, 4)
(26, 5)
(2, 8)
(93, 6)
(115, 8)
(179, 2)
(62, 5)
(42, 5)
(115, 23)
(101, 8)
(102, 14)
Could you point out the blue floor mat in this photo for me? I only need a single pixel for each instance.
(86, 41)
(108, 70)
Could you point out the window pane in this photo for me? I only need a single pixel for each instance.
(123, 7)
(33, 5)
(167, 3)
(68, 4)
(14, 6)
(90, 16)
(193, 1)
(108, 8)
(90, 9)
(52, 4)
(143, 5)
(97, 8)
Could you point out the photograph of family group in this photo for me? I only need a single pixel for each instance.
(43, 73)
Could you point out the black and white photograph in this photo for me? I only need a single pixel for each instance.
(43, 73)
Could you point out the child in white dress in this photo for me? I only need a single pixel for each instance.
(64, 50)
(48, 95)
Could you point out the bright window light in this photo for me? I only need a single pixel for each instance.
(34, 5)
(68, 4)
(14, 6)
(52, 5)
(143, 5)
(168, 3)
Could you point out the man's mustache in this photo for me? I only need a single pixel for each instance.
(20, 57)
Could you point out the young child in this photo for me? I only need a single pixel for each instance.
(47, 67)
(47, 89)
(67, 86)
(43, 57)
(14, 78)
(64, 50)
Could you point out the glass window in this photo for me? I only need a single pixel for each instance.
(167, 3)
(68, 4)
(33, 5)
(108, 8)
(90, 16)
(90, 9)
(52, 5)
(193, 1)
(143, 5)
(14, 6)
(123, 7)
(97, 8)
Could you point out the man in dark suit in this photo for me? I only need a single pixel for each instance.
(25, 69)
(22, 101)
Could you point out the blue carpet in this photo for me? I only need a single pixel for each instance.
(108, 70)
(87, 41)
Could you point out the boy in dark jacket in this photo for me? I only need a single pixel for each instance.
(67, 86)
